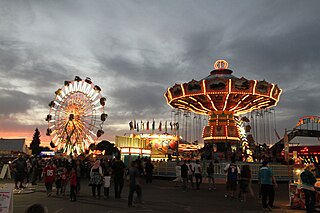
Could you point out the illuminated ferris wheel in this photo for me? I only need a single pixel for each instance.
(76, 116)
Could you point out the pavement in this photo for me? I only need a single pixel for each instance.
(160, 196)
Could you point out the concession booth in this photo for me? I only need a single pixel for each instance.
(303, 155)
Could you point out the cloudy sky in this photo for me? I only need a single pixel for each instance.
(134, 50)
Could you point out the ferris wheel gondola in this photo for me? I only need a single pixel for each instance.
(76, 116)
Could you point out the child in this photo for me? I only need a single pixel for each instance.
(106, 179)
(73, 185)
(210, 172)
(106, 185)
(58, 181)
(64, 181)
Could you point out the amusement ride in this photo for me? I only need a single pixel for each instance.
(223, 98)
(76, 116)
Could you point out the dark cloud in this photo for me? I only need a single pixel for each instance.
(140, 101)
(13, 102)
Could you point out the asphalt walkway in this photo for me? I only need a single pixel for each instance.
(160, 196)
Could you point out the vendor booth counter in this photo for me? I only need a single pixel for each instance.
(296, 195)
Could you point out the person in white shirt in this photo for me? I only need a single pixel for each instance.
(190, 172)
(178, 174)
(198, 174)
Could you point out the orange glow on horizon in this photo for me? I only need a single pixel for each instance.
(45, 141)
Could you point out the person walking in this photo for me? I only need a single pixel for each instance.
(58, 179)
(190, 172)
(210, 172)
(118, 169)
(178, 175)
(29, 169)
(35, 168)
(19, 168)
(149, 171)
(232, 172)
(134, 183)
(184, 175)
(96, 178)
(64, 181)
(79, 171)
(49, 176)
(73, 185)
(245, 180)
(308, 180)
(106, 178)
(198, 174)
(267, 182)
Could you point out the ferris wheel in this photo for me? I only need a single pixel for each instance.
(76, 116)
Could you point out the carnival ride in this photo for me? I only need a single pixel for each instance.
(307, 128)
(223, 97)
(76, 116)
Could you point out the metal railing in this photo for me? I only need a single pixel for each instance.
(280, 172)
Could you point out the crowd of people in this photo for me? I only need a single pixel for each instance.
(102, 173)
(190, 175)
(238, 181)
(61, 173)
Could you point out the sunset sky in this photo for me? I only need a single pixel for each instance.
(135, 50)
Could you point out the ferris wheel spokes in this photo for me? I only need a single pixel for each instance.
(76, 116)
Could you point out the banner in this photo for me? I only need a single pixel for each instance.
(5, 172)
(286, 146)
(6, 200)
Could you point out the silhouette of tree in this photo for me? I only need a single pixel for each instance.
(92, 146)
(108, 147)
(35, 143)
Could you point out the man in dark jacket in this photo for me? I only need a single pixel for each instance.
(118, 169)
(19, 168)
(149, 171)
(184, 175)
(134, 183)
(308, 180)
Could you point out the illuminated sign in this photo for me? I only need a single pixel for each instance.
(305, 149)
(135, 151)
(131, 150)
(308, 119)
(146, 151)
(125, 150)
(47, 153)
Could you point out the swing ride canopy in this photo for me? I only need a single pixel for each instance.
(221, 96)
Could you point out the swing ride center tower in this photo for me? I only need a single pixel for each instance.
(223, 97)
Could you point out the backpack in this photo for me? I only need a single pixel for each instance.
(232, 172)
(210, 170)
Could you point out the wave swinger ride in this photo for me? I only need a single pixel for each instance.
(223, 97)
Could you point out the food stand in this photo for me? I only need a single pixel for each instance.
(132, 147)
(296, 195)
(161, 147)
